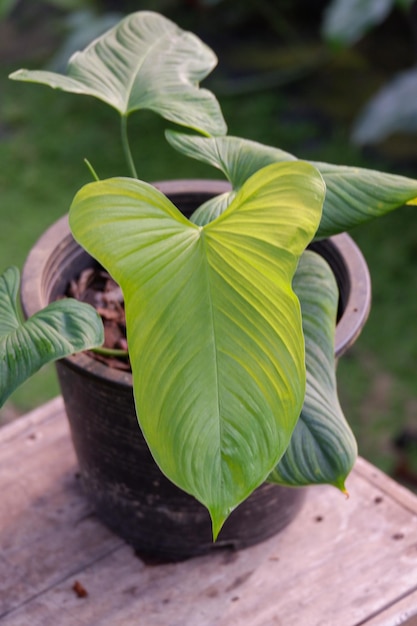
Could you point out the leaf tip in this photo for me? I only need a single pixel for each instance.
(216, 526)
(342, 488)
(340, 485)
(218, 518)
(16, 75)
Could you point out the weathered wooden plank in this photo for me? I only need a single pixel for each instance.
(43, 414)
(344, 562)
(353, 562)
(402, 613)
(374, 476)
(47, 527)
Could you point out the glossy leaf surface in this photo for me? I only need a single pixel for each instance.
(214, 328)
(145, 62)
(63, 328)
(353, 195)
(323, 448)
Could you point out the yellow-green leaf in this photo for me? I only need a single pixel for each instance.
(214, 327)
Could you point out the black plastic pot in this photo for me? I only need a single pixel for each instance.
(129, 492)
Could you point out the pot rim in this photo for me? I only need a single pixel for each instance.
(57, 243)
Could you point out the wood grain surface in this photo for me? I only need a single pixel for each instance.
(343, 562)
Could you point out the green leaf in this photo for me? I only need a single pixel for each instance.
(237, 158)
(346, 21)
(357, 195)
(214, 328)
(62, 328)
(392, 110)
(145, 62)
(212, 208)
(322, 448)
(353, 195)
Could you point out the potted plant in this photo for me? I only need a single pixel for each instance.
(230, 319)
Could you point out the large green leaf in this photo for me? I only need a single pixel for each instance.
(214, 328)
(145, 62)
(61, 329)
(322, 448)
(354, 195)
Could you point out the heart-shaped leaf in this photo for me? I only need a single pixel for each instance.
(214, 328)
(323, 448)
(145, 62)
(353, 195)
(61, 329)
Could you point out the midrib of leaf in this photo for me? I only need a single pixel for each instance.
(223, 165)
(207, 271)
(125, 115)
(136, 72)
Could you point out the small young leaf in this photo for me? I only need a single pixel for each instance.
(62, 328)
(212, 208)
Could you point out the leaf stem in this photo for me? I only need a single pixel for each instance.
(91, 169)
(111, 352)
(126, 146)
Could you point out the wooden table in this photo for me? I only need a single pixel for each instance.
(343, 562)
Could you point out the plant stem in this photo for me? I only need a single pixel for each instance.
(91, 169)
(126, 147)
(111, 352)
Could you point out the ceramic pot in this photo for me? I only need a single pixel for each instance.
(127, 489)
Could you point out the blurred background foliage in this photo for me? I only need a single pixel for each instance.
(326, 80)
